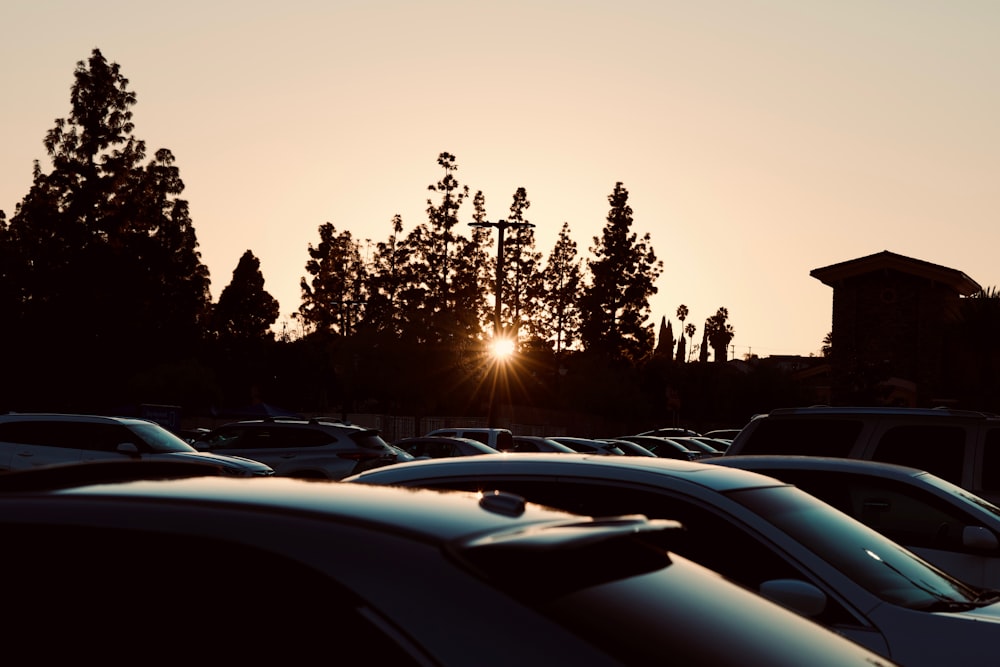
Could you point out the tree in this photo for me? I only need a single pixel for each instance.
(720, 333)
(665, 344)
(690, 330)
(615, 303)
(682, 313)
(106, 258)
(245, 310)
(561, 280)
(331, 301)
(703, 351)
(523, 288)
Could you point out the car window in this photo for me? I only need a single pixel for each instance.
(68, 435)
(938, 449)
(901, 512)
(478, 436)
(990, 482)
(707, 538)
(811, 437)
(505, 440)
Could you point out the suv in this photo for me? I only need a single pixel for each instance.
(309, 448)
(498, 438)
(31, 440)
(960, 446)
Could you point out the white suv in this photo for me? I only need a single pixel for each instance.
(306, 448)
(31, 440)
(960, 446)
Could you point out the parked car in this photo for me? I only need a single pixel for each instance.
(629, 448)
(101, 573)
(667, 432)
(307, 448)
(537, 443)
(31, 440)
(767, 535)
(439, 446)
(665, 447)
(960, 446)
(699, 444)
(497, 438)
(943, 523)
(722, 433)
(588, 445)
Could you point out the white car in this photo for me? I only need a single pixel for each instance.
(767, 535)
(34, 440)
(952, 528)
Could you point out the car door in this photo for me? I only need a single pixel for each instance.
(31, 444)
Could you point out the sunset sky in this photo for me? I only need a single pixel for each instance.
(758, 139)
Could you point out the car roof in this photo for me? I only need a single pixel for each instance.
(70, 417)
(632, 468)
(433, 515)
(805, 462)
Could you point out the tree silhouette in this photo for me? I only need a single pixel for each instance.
(682, 313)
(331, 300)
(665, 341)
(719, 333)
(245, 310)
(106, 262)
(562, 279)
(615, 304)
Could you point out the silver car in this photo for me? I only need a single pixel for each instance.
(32, 440)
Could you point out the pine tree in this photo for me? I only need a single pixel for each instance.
(703, 350)
(562, 280)
(245, 310)
(522, 283)
(106, 259)
(332, 299)
(623, 273)
(665, 341)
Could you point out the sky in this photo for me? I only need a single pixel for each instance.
(758, 139)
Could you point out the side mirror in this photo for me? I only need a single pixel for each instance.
(978, 537)
(797, 595)
(128, 448)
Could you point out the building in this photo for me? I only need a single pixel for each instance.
(891, 316)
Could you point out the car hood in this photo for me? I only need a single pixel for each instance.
(237, 464)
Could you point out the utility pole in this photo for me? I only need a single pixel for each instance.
(501, 226)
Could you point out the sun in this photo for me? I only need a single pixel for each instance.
(502, 348)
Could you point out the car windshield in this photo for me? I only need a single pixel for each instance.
(161, 440)
(881, 566)
(958, 492)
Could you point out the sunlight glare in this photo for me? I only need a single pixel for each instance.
(503, 348)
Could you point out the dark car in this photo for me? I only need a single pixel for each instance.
(286, 571)
(537, 443)
(439, 447)
(307, 448)
(588, 445)
(760, 532)
(664, 447)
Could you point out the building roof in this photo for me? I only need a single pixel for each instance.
(885, 260)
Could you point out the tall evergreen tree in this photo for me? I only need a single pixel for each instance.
(623, 274)
(106, 253)
(665, 341)
(332, 300)
(245, 310)
(385, 280)
(522, 282)
(562, 282)
(703, 350)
